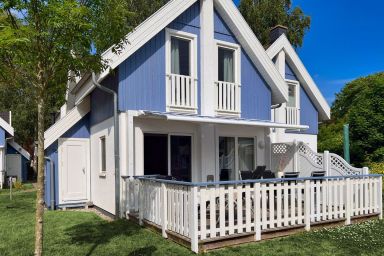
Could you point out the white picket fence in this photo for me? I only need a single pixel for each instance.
(200, 211)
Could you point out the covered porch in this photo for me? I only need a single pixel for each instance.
(208, 215)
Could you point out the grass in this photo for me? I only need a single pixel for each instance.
(85, 233)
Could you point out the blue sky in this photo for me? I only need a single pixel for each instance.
(345, 41)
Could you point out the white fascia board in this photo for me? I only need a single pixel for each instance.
(136, 39)
(305, 79)
(6, 126)
(244, 34)
(64, 124)
(19, 149)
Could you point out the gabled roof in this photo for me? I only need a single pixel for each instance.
(19, 149)
(174, 8)
(6, 126)
(293, 60)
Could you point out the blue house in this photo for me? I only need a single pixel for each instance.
(193, 97)
(13, 158)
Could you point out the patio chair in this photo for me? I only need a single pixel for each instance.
(258, 172)
(268, 174)
(246, 175)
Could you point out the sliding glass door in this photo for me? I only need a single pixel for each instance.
(236, 154)
(181, 157)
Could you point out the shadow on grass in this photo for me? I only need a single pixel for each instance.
(102, 232)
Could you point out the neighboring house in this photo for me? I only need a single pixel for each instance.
(13, 158)
(199, 99)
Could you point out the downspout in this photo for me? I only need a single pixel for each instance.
(51, 182)
(116, 142)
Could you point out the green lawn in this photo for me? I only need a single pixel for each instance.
(82, 233)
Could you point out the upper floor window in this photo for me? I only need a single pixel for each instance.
(180, 56)
(226, 65)
(228, 89)
(291, 95)
(181, 71)
(293, 103)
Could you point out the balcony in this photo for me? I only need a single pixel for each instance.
(292, 115)
(181, 93)
(228, 97)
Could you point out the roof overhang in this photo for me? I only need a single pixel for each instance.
(19, 149)
(170, 116)
(7, 127)
(305, 79)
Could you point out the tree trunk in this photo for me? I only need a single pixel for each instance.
(40, 177)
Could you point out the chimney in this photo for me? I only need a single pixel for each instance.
(276, 32)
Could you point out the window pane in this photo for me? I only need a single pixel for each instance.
(227, 158)
(180, 58)
(291, 95)
(246, 154)
(181, 157)
(103, 154)
(226, 65)
(155, 154)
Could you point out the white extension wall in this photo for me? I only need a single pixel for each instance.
(103, 185)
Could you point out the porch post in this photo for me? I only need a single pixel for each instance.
(307, 205)
(256, 210)
(194, 222)
(348, 203)
(164, 210)
(295, 157)
(326, 163)
(141, 203)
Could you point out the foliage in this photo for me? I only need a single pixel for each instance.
(262, 15)
(361, 104)
(377, 168)
(18, 185)
(85, 233)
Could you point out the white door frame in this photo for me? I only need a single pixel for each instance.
(61, 142)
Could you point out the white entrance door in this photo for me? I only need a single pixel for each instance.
(14, 165)
(74, 170)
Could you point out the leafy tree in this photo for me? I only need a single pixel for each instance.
(361, 104)
(262, 15)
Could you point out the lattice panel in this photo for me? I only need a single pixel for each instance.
(342, 166)
(280, 148)
(316, 158)
(282, 157)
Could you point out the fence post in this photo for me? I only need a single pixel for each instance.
(194, 222)
(164, 210)
(365, 170)
(256, 211)
(141, 203)
(348, 203)
(326, 163)
(381, 197)
(307, 205)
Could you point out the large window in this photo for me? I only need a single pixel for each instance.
(226, 65)
(180, 56)
(246, 154)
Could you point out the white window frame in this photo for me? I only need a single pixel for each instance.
(297, 90)
(169, 33)
(237, 59)
(101, 171)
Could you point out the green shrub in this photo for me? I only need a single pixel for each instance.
(377, 168)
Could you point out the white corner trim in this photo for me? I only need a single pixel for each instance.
(19, 149)
(64, 124)
(6, 126)
(253, 48)
(301, 72)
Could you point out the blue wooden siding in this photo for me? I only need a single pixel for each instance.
(51, 152)
(289, 74)
(2, 137)
(80, 129)
(255, 93)
(102, 102)
(24, 162)
(142, 76)
(308, 111)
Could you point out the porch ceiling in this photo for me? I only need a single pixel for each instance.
(171, 116)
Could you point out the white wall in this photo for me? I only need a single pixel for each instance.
(309, 139)
(103, 186)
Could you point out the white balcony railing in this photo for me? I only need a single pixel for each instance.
(292, 115)
(228, 97)
(182, 92)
